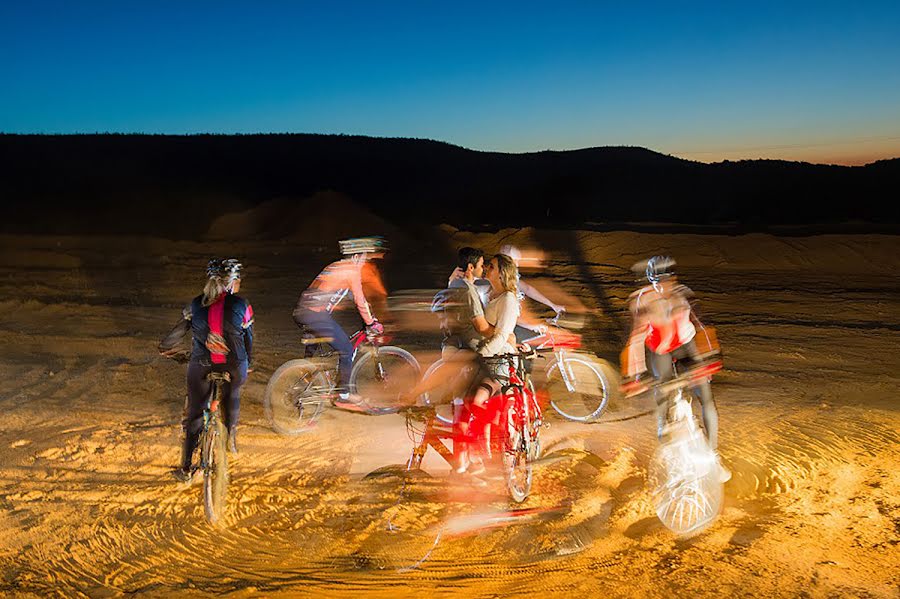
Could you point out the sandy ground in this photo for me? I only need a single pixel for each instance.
(808, 407)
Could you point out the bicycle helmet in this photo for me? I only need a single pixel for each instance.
(447, 299)
(231, 269)
(215, 268)
(513, 252)
(362, 245)
(658, 268)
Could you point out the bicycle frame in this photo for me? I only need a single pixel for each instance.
(358, 340)
(559, 342)
(211, 411)
(520, 408)
(514, 405)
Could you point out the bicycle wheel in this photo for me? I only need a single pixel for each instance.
(516, 465)
(439, 399)
(686, 490)
(590, 389)
(381, 380)
(295, 396)
(215, 471)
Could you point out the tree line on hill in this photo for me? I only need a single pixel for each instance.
(177, 185)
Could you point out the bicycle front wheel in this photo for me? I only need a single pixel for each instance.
(516, 465)
(578, 389)
(381, 378)
(686, 490)
(215, 472)
(295, 397)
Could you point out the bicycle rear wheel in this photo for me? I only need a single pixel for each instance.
(380, 380)
(589, 394)
(296, 396)
(215, 471)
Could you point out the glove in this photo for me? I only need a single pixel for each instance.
(375, 329)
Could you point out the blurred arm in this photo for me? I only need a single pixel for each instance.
(537, 296)
(359, 297)
(247, 326)
(173, 339)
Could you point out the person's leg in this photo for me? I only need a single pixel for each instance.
(479, 427)
(233, 402)
(689, 355)
(324, 325)
(439, 378)
(198, 391)
(467, 369)
(710, 414)
(661, 367)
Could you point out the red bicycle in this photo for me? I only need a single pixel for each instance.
(578, 385)
(514, 445)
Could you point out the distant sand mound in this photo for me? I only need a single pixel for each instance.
(319, 219)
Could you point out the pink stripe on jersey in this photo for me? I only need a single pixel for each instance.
(216, 320)
(248, 315)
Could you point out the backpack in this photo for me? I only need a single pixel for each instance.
(448, 305)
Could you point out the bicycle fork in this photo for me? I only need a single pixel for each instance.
(379, 367)
(567, 377)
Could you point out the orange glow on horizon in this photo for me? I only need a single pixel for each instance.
(850, 153)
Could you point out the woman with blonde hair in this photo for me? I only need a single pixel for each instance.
(501, 314)
(221, 324)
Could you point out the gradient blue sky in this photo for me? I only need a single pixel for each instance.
(816, 81)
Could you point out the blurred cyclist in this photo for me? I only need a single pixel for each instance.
(460, 310)
(662, 335)
(317, 303)
(221, 323)
(525, 327)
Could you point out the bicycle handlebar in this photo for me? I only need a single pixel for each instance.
(682, 380)
(526, 355)
(555, 320)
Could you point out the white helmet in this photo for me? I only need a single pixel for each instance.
(512, 251)
(362, 245)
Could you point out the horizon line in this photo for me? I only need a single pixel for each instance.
(681, 155)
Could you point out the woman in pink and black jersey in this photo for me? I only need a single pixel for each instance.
(221, 323)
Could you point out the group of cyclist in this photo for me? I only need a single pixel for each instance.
(481, 317)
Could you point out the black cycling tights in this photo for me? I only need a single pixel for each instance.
(199, 389)
(663, 370)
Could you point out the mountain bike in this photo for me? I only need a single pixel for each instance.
(684, 473)
(213, 457)
(579, 386)
(515, 443)
(300, 389)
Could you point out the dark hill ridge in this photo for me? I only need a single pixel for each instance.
(177, 185)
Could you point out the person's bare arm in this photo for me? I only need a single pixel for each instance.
(537, 296)
(636, 362)
(482, 326)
